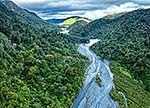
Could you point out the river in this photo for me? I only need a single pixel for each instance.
(93, 95)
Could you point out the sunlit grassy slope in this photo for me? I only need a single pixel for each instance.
(70, 21)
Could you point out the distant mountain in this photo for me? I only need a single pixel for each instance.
(28, 17)
(56, 21)
(68, 21)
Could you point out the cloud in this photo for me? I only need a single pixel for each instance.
(126, 7)
(29, 1)
(146, 2)
(92, 9)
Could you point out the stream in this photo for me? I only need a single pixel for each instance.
(93, 95)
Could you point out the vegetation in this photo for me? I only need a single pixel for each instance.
(29, 17)
(71, 20)
(98, 80)
(115, 15)
(38, 68)
(68, 21)
(124, 39)
(76, 27)
(136, 96)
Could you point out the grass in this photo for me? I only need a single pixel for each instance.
(70, 21)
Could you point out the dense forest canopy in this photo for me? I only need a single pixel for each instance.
(38, 68)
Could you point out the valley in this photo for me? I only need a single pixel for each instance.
(91, 94)
(74, 62)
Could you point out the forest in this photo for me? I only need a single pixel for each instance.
(125, 39)
(125, 42)
(38, 68)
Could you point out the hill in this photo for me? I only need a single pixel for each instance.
(38, 68)
(125, 40)
(73, 19)
(76, 27)
(68, 21)
(28, 17)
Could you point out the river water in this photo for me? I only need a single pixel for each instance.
(93, 95)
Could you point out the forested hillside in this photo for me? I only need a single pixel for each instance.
(125, 41)
(38, 68)
(76, 27)
(29, 17)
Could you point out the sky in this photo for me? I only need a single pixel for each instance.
(92, 9)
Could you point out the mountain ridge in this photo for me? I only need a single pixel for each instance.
(28, 17)
(61, 21)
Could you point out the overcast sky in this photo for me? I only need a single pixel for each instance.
(92, 9)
